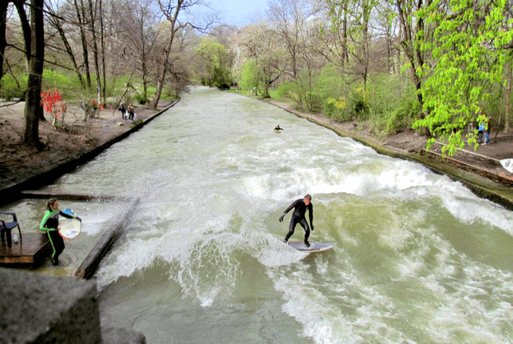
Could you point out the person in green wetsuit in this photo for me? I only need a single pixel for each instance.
(50, 224)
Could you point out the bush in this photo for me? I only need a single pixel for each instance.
(286, 90)
(404, 116)
(69, 85)
(10, 89)
(142, 98)
(336, 109)
(249, 75)
(359, 104)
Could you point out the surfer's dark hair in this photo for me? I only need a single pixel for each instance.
(51, 202)
(308, 197)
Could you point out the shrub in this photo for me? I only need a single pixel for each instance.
(359, 104)
(10, 89)
(336, 109)
(404, 116)
(286, 90)
(142, 98)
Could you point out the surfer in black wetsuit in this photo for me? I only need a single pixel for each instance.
(278, 127)
(298, 216)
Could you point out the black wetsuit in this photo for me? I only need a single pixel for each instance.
(298, 216)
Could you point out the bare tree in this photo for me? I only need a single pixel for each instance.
(171, 9)
(411, 27)
(56, 21)
(289, 19)
(92, 28)
(81, 22)
(140, 34)
(262, 45)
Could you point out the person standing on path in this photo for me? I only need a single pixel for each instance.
(298, 216)
(122, 108)
(484, 129)
(130, 111)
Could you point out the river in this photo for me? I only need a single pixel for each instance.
(419, 258)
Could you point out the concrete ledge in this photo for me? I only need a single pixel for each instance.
(40, 309)
(102, 247)
(37, 309)
(122, 336)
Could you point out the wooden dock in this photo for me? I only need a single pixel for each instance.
(32, 249)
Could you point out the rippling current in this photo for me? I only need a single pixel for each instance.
(419, 258)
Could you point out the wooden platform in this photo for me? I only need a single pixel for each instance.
(33, 248)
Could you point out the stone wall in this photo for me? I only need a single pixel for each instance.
(41, 309)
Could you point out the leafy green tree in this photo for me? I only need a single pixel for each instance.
(471, 46)
(261, 44)
(212, 63)
(249, 76)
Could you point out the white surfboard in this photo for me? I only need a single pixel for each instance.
(507, 164)
(314, 246)
(69, 228)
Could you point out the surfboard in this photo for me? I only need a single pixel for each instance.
(507, 164)
(69, 228)
(314, 246)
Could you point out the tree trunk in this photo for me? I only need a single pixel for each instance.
(102, 43)
(162, 77)
(85, 53)
(345, 51)
(35, 78)
(3, 42)
(92, 28)
(508, 100)
(25, 25)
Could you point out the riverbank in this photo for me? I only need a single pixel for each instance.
(69, 141)
(480, 171)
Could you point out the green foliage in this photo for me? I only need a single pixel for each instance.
(403, 117)
(69, 84)
(137, 123)
(286, 90)
(142, 98)
(359, 104)
(10, 89)
(249, 75)
(387, 91)
(212, 64)
(470, 54)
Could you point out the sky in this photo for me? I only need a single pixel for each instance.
(239, 12)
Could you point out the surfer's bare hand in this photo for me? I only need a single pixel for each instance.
(281, 217)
